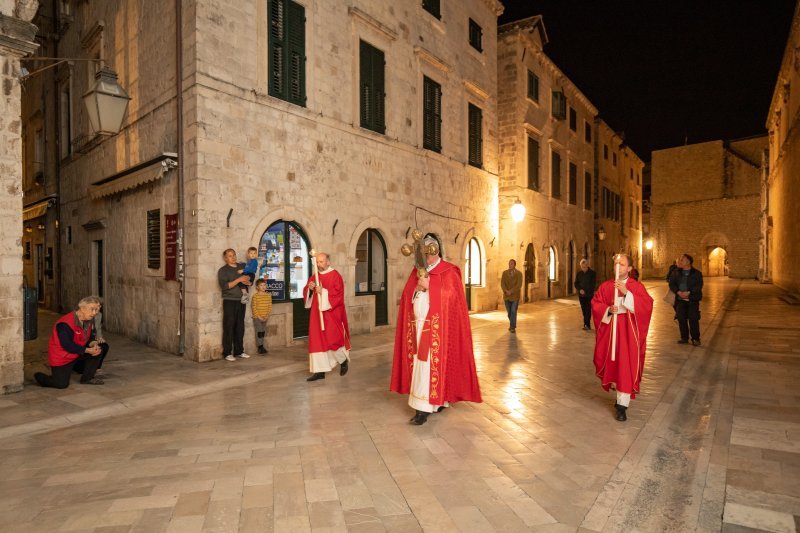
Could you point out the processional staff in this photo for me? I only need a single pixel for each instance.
(313, 255)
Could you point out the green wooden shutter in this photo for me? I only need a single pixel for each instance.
(277, 48)
(371, 87)
(365, 84)
(533, 164)
(296, 30)
(379, 92)
(432, 115)
(475, 143)
(432, 7)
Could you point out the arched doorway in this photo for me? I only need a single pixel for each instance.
(371, 272)
(717, 263)
(552, 269)
(530, 270)
(473, 269)
(570, 267)
(286, 265)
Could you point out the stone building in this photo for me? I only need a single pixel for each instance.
(618, 214)
(546, 162)
(16, 41)
(780, 245)
(282, 125)
(705, 202)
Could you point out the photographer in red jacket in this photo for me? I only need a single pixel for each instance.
(74, 339)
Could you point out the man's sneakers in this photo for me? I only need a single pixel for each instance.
(234, 357)
(316, 376)
(230, 358)
(344, 367)
(244, 355)
(695, 342)
(586, 328)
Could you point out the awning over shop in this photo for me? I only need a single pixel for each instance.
(37, 209)
(138, 175)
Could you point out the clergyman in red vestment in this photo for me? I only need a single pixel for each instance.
(633, 308)
(332, 346)
(433, 359)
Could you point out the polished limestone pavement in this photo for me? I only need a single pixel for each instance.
(712, 443)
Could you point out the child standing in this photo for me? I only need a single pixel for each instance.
(261, 308)
(250, 270)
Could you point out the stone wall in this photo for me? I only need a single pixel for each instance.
(783, 179)
(16, 40)
(706, 196)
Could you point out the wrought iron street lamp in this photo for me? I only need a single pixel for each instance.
(518, 211)
(106, 102)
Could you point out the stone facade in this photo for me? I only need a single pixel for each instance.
(618, 212)
(781, 185)
(705, 202)
(16, 40)
(252, 159)
(536, 145)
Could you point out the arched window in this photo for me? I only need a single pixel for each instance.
(551, 264)
(473, 270)
(285, 263)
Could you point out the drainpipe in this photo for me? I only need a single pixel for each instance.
(181, 163)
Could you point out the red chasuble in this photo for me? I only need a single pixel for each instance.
(447, 334)
(625, 373)
(337, 332)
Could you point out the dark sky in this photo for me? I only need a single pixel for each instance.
(666, 71)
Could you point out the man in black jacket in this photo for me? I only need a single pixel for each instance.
(687, 284)
(585, 282)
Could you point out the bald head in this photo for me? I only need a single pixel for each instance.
(323, 261)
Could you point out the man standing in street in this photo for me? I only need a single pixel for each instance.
(584, 283)
(687, 284)
(511, 283)
(328, 345)
(233, 309)
(433, 359)
(625, 306)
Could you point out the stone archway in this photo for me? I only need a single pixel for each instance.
(717, 263)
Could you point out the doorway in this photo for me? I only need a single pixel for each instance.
(530, 270)
(717, 263)
(551, 270)
(473, 269)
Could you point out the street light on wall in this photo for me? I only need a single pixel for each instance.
(648, 244)
(601, 233)
(517, 209)
(106, 102)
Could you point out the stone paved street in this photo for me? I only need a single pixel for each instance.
(712, 443)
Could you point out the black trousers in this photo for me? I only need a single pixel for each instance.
(80, 365)
(61, 374)
(688, 314)
(232, 327)
(586, 308)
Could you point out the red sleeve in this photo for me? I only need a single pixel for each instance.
(335, 290)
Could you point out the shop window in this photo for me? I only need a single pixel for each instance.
(474, 266)
(285, 263)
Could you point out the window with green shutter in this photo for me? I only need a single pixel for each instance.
(573, 184)
(371, 88)
(475, 136)
(432, 7)
(154, 239)
(431, 115)
(559, 107)
(475, 36)
(287, 57)
(555, 175)
(533, 86)
(587, 191)
(533, 164)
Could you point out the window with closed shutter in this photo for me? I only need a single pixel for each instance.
(559, 105)
(573, 184)
(431, 115)
(555, 175)
(533, 164)
(287, 57)
(475, 136)
(154, 239)
(371, 88)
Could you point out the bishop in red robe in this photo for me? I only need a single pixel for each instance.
(331, 346)
(633, 307)
(433, 359)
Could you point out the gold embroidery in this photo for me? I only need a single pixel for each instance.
(434, 355)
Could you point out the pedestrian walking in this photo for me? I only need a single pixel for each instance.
(511, 283)
(687, 284)
(585, 282)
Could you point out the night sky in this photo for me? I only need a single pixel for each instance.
(667, 72)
